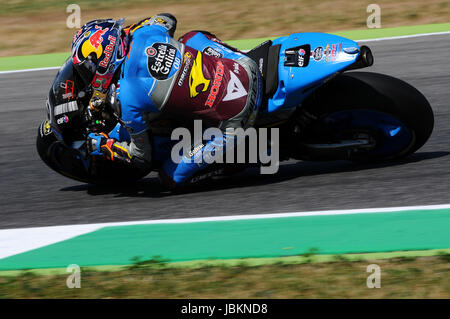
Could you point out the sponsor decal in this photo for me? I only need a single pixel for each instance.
(68, 87)
(64, 119)
(317, 54)
(161, 21)
(150, 51)
(197, 81)
(94, 44)
(351, 50)
(97, 38)
(198, 178)
(301, 58)
(336, 49)
(66, 108)
(87, 49)
(216, 85)
(47, 128)
(195, 150)
(236, 68)
(187, 62)
(297, 57)
(331, 52)
(67, 96)
(101, 81)
(235, 89)
(212, 52)
(327, 53)
(164, 62)
(261, 64)
(109, 50)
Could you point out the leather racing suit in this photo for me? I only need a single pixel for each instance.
(198, 77)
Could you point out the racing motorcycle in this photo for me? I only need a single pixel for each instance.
(324, 110)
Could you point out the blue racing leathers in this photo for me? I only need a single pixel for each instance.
(198, 77)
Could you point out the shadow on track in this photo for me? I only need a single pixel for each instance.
(150, 186)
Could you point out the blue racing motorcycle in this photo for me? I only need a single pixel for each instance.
(322, 109)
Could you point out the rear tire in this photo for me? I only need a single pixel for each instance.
(370, 92)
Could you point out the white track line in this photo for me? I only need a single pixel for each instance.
(404, 36)
(30, 70)
(363, 40)
(15, 241)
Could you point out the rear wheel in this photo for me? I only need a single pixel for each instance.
(362, 116)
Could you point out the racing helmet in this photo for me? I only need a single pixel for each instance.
(98, 49)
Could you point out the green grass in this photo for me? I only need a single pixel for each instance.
(340, 277)
(310, 256)
(33, 61)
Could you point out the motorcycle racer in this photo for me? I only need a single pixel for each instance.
(145, 73)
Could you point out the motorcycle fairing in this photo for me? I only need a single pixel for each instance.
(300, 72)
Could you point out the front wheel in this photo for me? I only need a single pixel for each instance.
(365, 116)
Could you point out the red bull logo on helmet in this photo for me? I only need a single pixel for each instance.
(109, 51)
(94, 43)
(97, 38)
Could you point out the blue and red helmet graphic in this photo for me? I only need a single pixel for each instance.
(103, 40)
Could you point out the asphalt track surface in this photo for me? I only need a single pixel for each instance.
(33, 195)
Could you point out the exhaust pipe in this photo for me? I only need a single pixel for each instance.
(365, 59)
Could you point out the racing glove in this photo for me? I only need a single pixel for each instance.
(102, 145)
